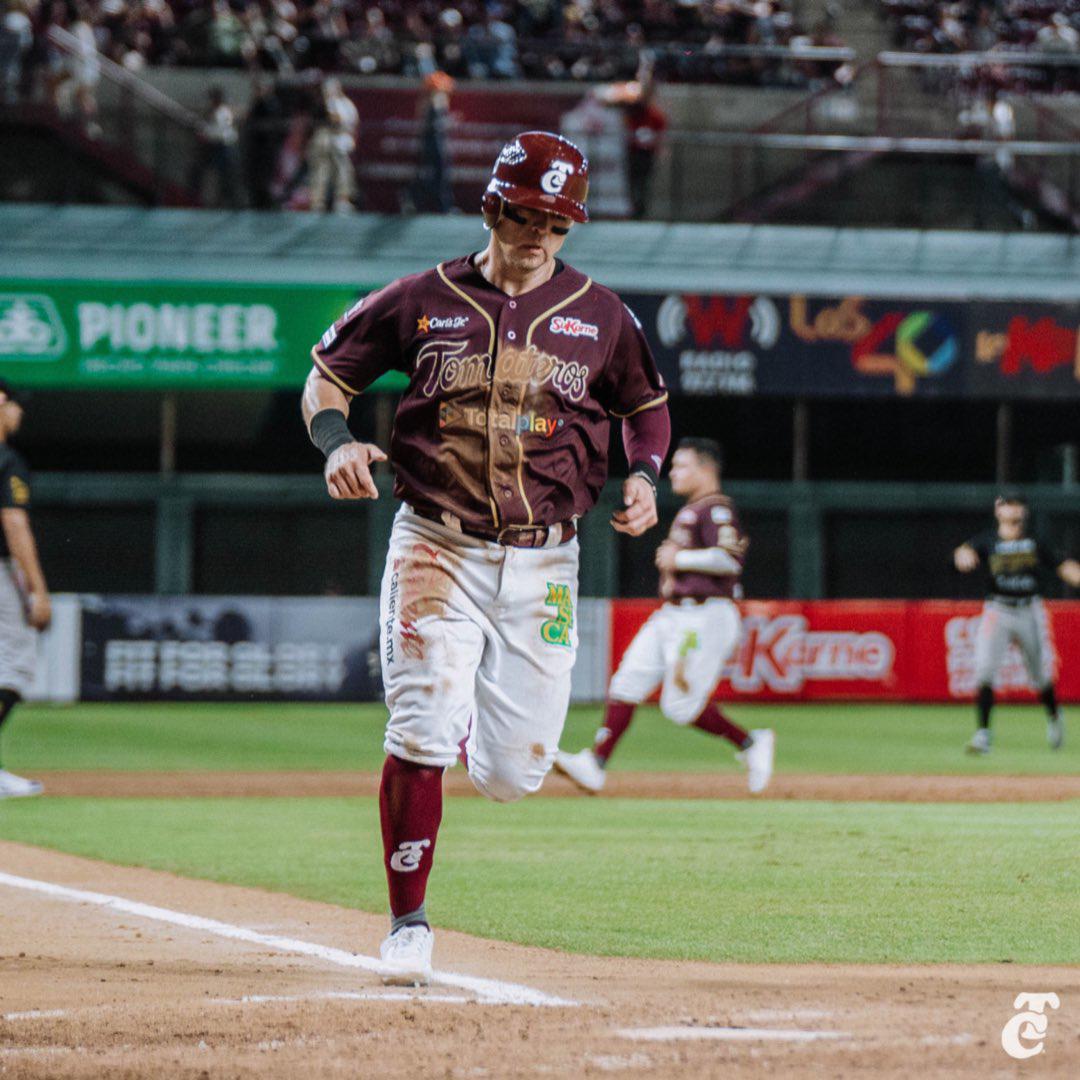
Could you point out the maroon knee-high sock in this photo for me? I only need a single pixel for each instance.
(410, 806)
(715, 722)
(617, 717)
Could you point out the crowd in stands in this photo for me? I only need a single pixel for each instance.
(1050, 28)
(586, 40)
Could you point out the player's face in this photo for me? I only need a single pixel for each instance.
(690, 473)
(1011, 519)
(530, 238)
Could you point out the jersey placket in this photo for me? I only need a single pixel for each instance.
(506, 451)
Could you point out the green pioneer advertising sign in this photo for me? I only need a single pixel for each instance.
(163, 335)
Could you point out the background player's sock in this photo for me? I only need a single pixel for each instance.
(715, 722)
(984, 702)
(410, 806)
(1046, 696)
(617, 717)
(8, 700)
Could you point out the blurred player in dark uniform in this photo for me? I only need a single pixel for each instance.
(1014, 564)
(24, 597)
(683, 646)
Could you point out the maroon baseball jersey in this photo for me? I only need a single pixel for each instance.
(708, 523)
(505, 419)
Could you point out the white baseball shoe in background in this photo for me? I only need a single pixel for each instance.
(18, 787)
(583, 769)
(980, 742)
(759, 759)
(406, 956)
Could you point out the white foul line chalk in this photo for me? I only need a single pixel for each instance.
(488, 991)
(728, 1034)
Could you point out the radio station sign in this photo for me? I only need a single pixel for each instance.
(164, 335)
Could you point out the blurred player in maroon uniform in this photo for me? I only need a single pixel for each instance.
(684, 645)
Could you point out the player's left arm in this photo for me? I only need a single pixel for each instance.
(635, 393)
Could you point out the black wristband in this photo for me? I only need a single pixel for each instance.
(645, 470)
(329, 430)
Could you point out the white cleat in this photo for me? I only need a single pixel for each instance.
(1055, 731)
(583, 769)
(980, 742)
(18, 787)
(759, 759)
(406, 956)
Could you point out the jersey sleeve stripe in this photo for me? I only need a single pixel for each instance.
(328, 374)
(641, 408)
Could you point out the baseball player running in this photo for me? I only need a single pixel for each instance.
(1013, 562)
(516, 361)
(24, 597)
(684, 645)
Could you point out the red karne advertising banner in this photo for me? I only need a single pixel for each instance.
(869, 650)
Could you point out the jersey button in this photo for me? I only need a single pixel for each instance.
(504, 440)
(511, 336)
(513, 304)
(506, 493)
(508, 393)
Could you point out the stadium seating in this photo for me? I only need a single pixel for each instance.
(585, 40)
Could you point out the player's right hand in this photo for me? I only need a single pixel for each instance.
(40, 614)
(966, 558)
(348, 471)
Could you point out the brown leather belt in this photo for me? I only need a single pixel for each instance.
(519, 536)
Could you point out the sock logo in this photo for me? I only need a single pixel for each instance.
(408, 855)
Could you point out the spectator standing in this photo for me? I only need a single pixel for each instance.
(75, 93)
(263, 131)
(331, 149)
(218, 151)
(645, 126)
(16, 37)
(431, 190)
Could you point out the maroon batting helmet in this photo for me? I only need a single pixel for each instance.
(542, 171)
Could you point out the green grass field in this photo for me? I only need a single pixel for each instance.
(811, 738)
(747, 880)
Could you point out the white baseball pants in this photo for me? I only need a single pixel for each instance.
(477, 640)
(1001, 624)
(682, 647)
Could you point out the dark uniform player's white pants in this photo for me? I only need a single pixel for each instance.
(1027, 625)
(18, 642)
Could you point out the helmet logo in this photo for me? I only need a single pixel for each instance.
(554, 180)
(512, 154)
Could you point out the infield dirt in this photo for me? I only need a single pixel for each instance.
(631, 785)
(90, 992)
